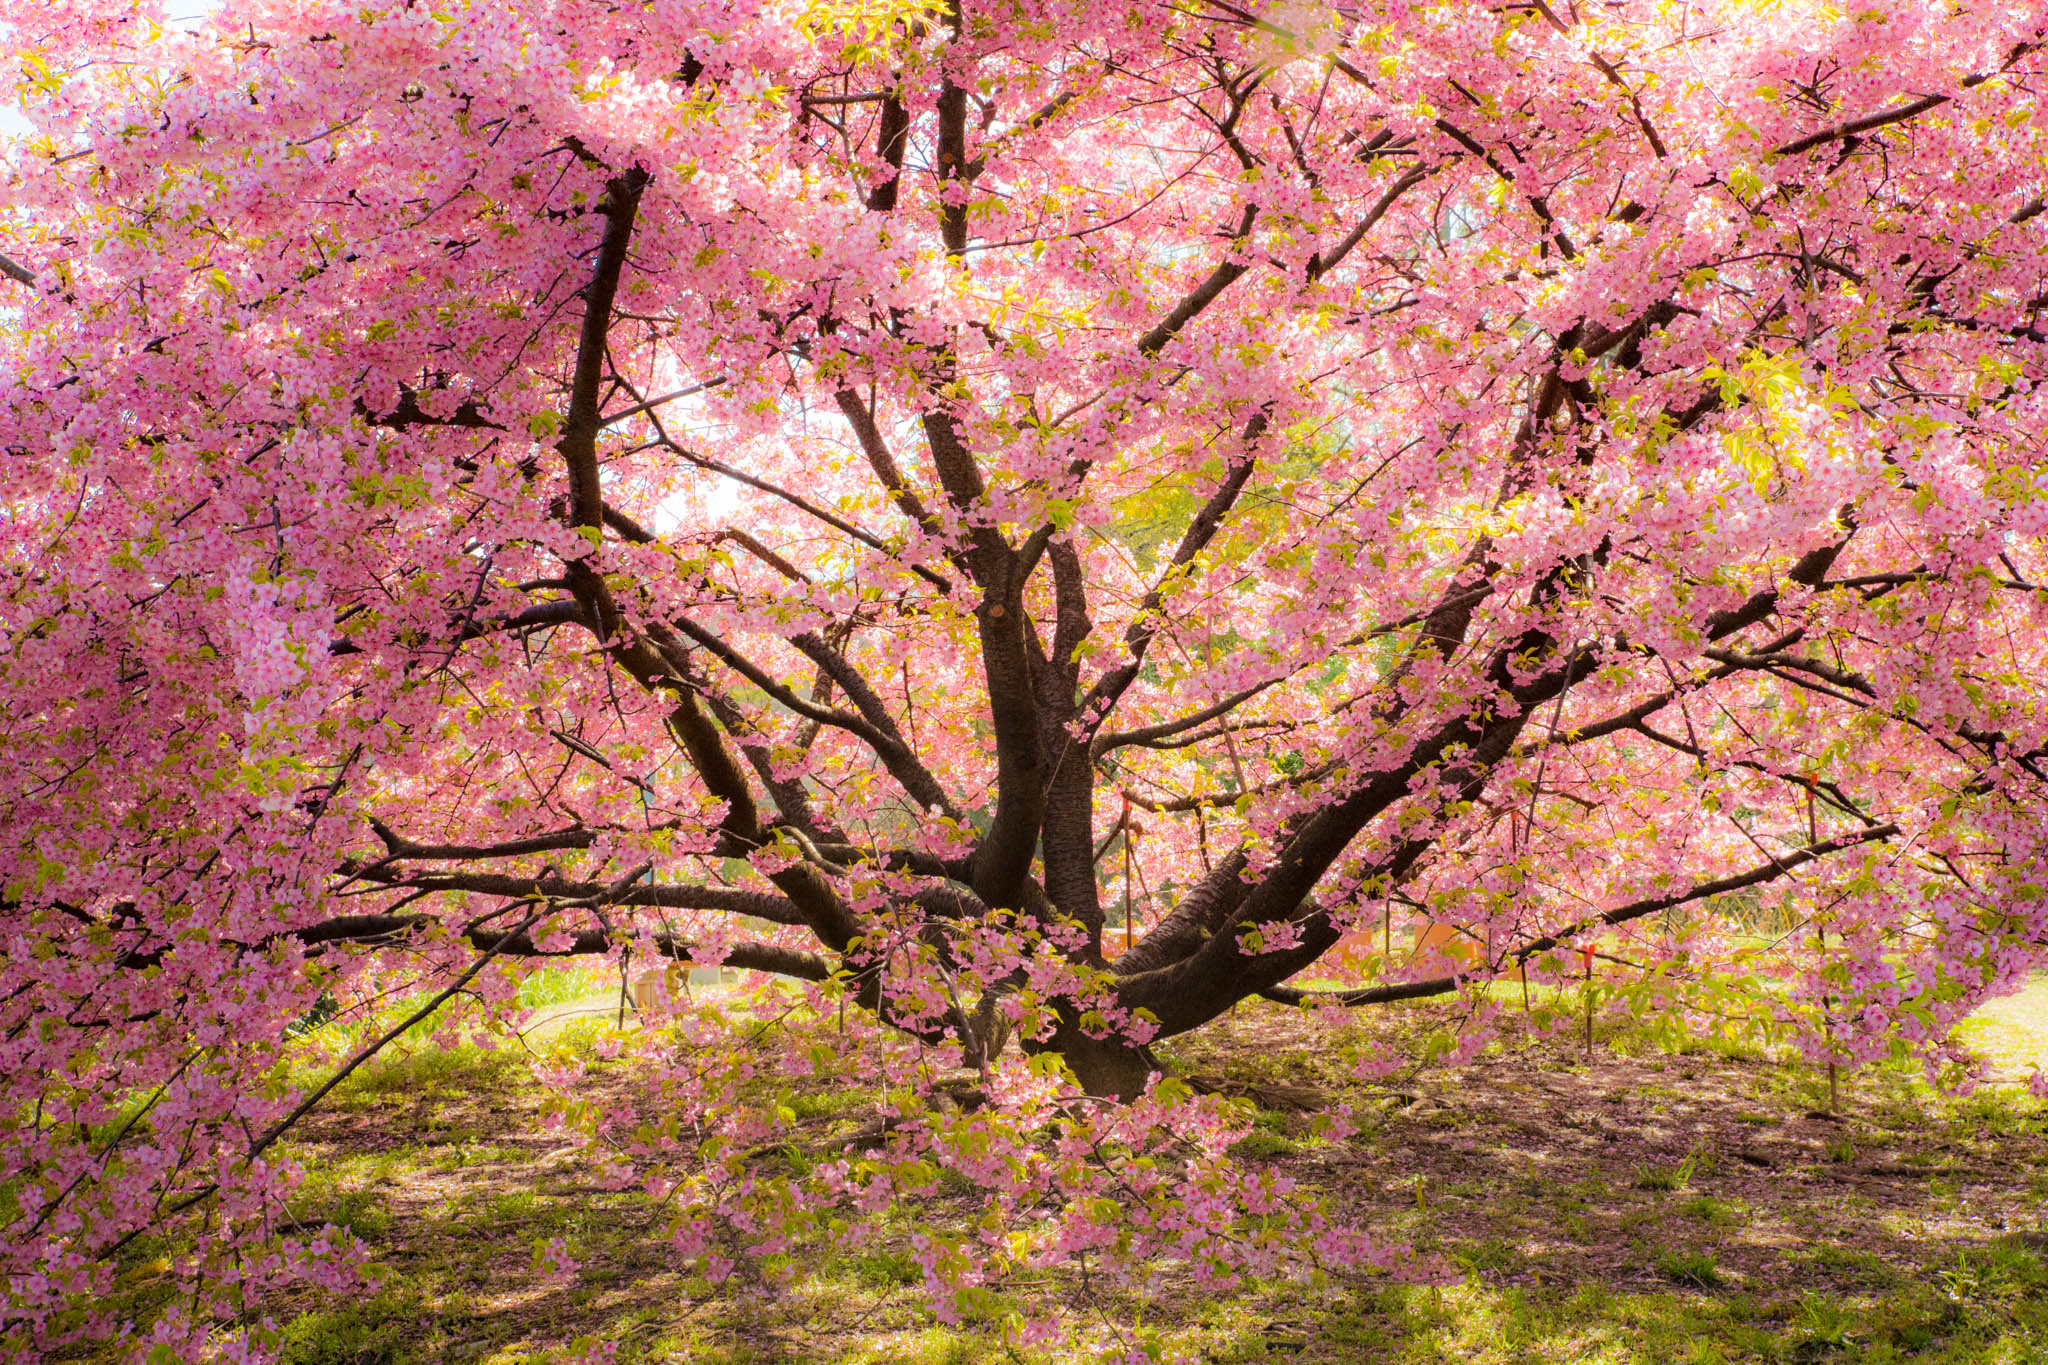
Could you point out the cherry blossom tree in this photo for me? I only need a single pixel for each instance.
(1034, 523)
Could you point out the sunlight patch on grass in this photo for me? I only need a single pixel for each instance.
(2012, 1032)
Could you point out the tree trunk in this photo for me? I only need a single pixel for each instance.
(1112, 1067)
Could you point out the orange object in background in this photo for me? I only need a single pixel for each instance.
(645, 984)
(1443, 937)
(1358, 951)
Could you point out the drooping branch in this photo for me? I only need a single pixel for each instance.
(1621, 914)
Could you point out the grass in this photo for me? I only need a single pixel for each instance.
(1648, 1207)
(376, 1332)
(1597, 1324)
(1674, 1177)
(402, 1073)
(1695, 1268)
(1715, 1213)
(1261, 1146)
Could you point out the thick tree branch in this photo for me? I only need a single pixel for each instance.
(564, 611)
(1856, 127)
(1324, 262)
(760, 677)
(872, 445)
(1229, 272)
(1068, 838)
(892, 134)
(662, 895)
(1207, 972)
(655, 658)
(398, 846)
(1148, 734)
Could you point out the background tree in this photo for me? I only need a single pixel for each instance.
(803, 488)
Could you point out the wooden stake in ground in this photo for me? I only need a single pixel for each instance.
(1827, 1023)
(1589, 1004)
(1827, 1002)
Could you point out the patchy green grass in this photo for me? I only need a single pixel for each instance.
(1695, 1268)
(378, 1331)
(1676, 1176)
